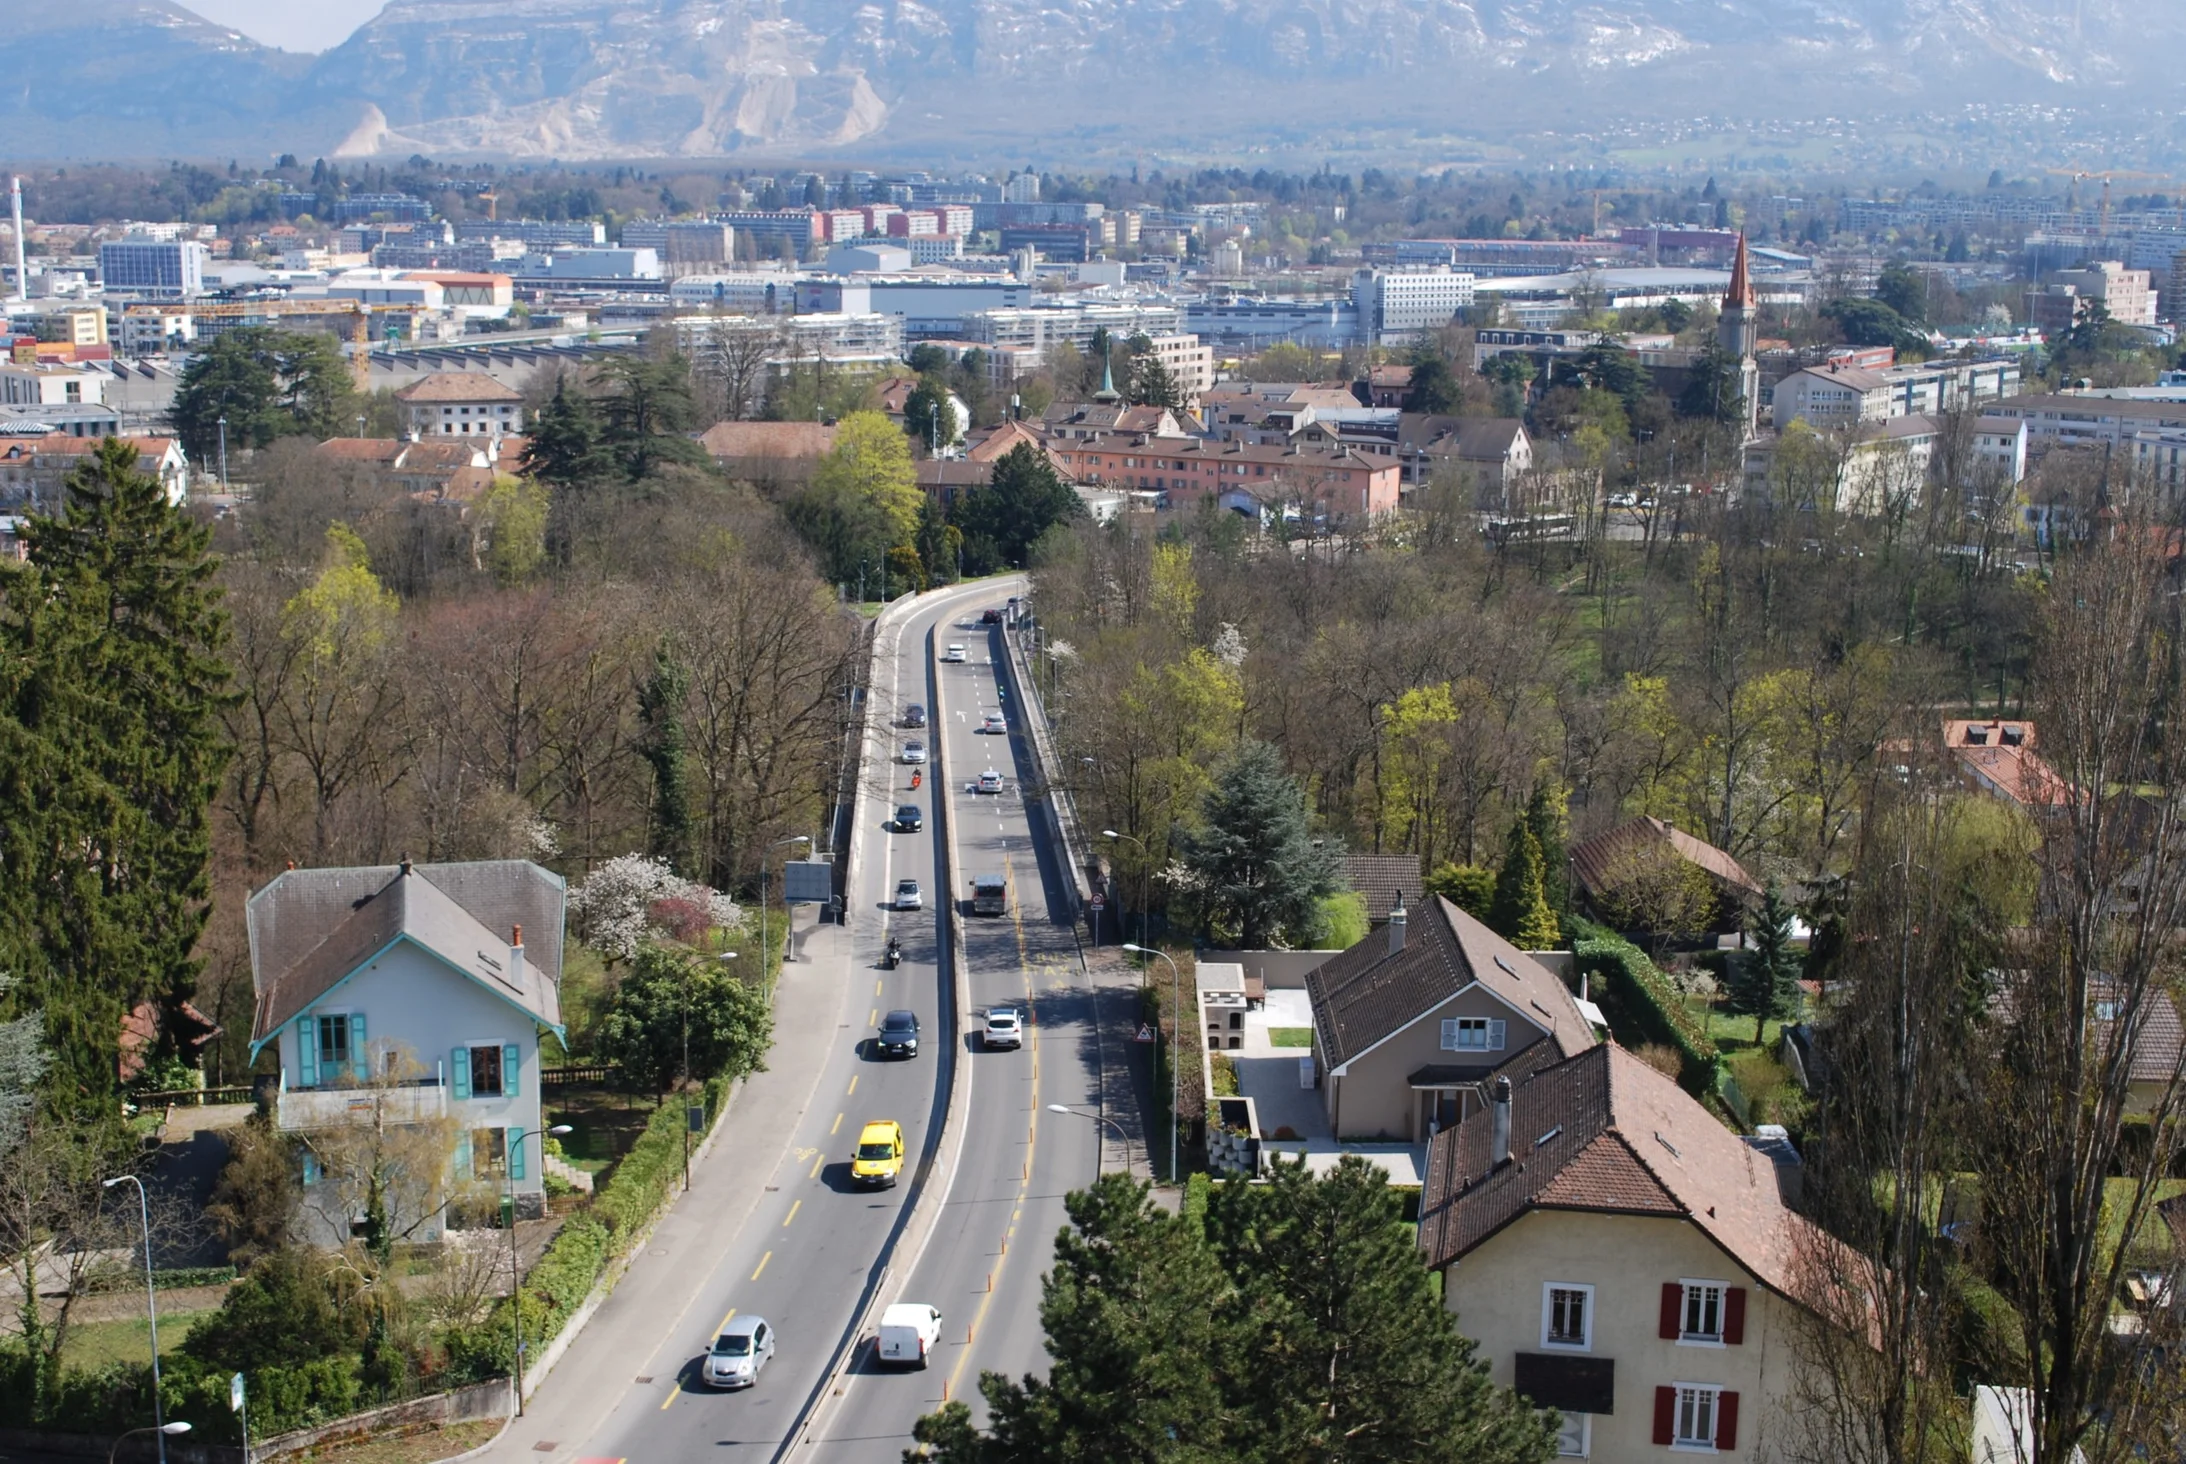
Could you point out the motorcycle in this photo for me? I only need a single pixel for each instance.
(894, 958)
(915, 778)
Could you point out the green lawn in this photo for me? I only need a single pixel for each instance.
(93, 1345)
(1290, 1036)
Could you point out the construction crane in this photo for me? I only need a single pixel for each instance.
(2106, 175)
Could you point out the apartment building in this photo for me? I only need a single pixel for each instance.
(153, 269)
(2148, 435)
(51, 383)
(1189, 364)
(1185, 469)
(461, 404)
(1843, 396)
(2128, 294)
(1400, 305)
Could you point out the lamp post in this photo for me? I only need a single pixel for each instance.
(1146, 880)
(164, 1430)
(151, 1308)
(223, 488)
(1176, 1017)
(1121, 1137)
(516, 1270)
(763, 946)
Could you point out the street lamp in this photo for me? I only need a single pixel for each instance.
(763, 946)
(1176, 1016)
(1146, 878)
(516, 1269)
(223, 488)
(164, 1430)
(151, 1307)
(1121, 1137)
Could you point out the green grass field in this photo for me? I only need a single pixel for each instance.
(1290, 1036)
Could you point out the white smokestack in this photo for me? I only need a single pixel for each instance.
(22, 271)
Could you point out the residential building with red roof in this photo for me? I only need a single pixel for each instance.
(33, 469)
(461, 404)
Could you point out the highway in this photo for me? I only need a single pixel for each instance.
(773, 1225)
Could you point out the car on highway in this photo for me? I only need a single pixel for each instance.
(909, 1331)
(955, 652)
(879, 1160)
(898, 1034)
(909, 896)
(990, 616)
(744, 1347)
(990, 781)
(909, 819)
(994, 722)
(1005, 1028)
(914, 715)
(914, 752)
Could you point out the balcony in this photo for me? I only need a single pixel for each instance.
(322, 1108)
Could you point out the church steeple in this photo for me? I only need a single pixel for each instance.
(1108, 392)
(1739, 329)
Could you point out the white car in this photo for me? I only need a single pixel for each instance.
(914, 752)
(1005, 1028)
(955, 652)
(909, 1332)
(990, 781)
(993, 722)
(908, 895)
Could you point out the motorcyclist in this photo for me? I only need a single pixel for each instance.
(895, 950)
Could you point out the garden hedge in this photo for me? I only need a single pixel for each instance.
(1647, 997)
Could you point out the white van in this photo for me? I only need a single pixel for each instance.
(909, 1332)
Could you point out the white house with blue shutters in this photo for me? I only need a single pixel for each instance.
(433, 983)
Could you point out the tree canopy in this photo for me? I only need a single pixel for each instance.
(1257, 869)
(672, 1002)
(267, 384)
(1002, 519)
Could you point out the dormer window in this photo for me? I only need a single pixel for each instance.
(1977, 736)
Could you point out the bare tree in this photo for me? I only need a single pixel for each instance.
(381, 1164)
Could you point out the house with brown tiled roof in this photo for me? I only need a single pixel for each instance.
(1411, 1022)
(1382, 880)
(33, 469)
(1613, 869)
(1997, 757)
(461, 404)
(1622, 1257)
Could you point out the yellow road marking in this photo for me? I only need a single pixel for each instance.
(725, 1322)
(817, 1164)
(673, 1394)
(853, 1088)
(836, 1125)
(762, 1264)
(873, 1020)
(795, 1206)
(877, 987)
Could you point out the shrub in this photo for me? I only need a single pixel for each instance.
(1225, 1076)
(1650, 1003)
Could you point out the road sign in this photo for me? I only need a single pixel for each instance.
(1100, 902)
(235, 1393)
(694, 1119)
(807, 881)
(1146, 1033)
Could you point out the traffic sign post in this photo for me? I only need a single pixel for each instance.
(235, 1406)
(1146, 1033)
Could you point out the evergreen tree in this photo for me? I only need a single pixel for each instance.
(929, 417)
(566, 450)
(1003, 519)
(1151, 384)
(1765, 979)
(1546, 812)
(233, 377)
(110, 691)
(1433, 388)
(650, 412)
(661, 744)
(1293, 1324)
(1520, 913)
(1258, 870)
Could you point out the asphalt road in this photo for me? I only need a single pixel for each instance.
(772, 1225)
(995, 1236)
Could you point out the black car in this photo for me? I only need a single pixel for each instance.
(990, 616)
(914, 715)
(898, 1034)
(908, 819)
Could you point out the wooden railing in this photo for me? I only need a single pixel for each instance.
(593, 1072)
(194, 1097)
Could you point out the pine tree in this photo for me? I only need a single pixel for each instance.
(111, 683)
(565, 449)
(1259, 872)
(1765, 979)
(661, 744)
(1520, 913)
(1546, 811)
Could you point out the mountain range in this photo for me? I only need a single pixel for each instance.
(590, 79)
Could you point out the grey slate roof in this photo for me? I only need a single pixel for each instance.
(1367, 993)
(310, 928)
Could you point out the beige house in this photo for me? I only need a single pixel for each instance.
(1410, 1023)
(1622, 1257)
(461, 404)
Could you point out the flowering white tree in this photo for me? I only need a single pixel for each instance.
(633, 898)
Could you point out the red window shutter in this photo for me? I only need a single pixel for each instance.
(1665, 1415)
(1673, 1310)
(1726, 1420)
(1734, 1315)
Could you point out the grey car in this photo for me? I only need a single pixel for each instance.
(744, 1347)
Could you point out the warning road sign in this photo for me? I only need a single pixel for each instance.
(1146, 1033)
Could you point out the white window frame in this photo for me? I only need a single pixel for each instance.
(1549, 1341)
(1456, 1029)
(1585, 1421)
(1679, 1440)
(1722, 1290)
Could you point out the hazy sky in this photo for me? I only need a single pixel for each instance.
(293, 25)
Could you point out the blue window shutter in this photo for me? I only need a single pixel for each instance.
(460, 1066)
(357, 1056)
(516, 1153)
(311, 1169)
(463, 1155)
(307, 1051)
(512, 1063)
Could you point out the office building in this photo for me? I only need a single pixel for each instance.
(1401, 305)
(153, 269)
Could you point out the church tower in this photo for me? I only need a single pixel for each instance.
(1738, 332)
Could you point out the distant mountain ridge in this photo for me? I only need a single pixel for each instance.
(580, 79)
